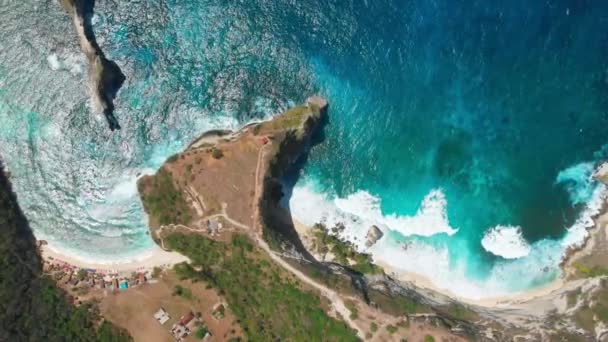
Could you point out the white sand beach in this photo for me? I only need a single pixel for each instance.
(156, 257)
(427, 287)
(423, 282)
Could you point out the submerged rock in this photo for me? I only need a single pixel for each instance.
(373, 234)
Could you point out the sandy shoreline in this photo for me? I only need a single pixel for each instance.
(156, 257)
(423, 283)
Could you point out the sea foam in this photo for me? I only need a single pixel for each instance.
(449, 264)
(359, 211)
(506, 242)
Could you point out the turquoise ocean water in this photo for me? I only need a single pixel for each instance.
(466, 130)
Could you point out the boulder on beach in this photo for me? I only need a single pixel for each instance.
(601, 173)
(373, 234)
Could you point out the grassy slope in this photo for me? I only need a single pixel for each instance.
(270, 304)
(162, 200)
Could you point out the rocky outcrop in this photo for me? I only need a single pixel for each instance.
(601, 173)
(373, 235)
(105, 77)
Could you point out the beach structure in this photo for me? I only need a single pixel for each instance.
(161, 316)
(219, 311)
(184, 327)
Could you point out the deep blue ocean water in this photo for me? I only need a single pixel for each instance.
(451, 122)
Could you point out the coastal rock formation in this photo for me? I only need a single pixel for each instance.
(105, 77)
(228, 173)
(373, 235)
(601, 173)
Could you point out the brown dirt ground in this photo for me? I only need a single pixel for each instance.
(222, 180)
(134, 309)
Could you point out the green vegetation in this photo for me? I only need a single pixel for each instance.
(291, 119)
(216, 153)
(429, 338)
(373, 327)
(590, 272)
(461, 312)
(344, 252)
(391, 329)
(201, 332)
(258, 292)
(32, 308)
(182, 292)
(397, 305)
(352, 307)
(162, 200)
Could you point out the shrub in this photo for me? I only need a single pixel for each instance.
(182, 292)
(391, 329)
(216, 153)
(201, 332)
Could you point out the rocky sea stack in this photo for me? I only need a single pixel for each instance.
(105, 76)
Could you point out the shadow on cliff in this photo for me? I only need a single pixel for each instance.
(281, 191)
(105, 74)
(280, 222)
(14, 227)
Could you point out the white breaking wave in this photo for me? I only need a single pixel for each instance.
(578, 232)
(448, 264)
(53, 61)
(430, 219)
(437, 264)
(361, 210)
(578, 181)
(583, 189)
(506, 242)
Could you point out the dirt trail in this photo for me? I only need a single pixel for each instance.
(336, 301)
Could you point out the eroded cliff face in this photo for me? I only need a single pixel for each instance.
(105, 77)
